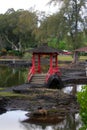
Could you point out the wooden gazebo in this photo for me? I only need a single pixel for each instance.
(83, 49)
(36, 75)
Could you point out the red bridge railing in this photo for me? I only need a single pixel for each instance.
(52, 71)
(31, 72)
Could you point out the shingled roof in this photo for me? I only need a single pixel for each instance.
(45, 49)
(83, 49)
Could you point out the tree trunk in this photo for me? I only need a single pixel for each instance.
(13, 45)
(75, 57)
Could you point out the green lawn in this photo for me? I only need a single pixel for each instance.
(83, 57)
(70, 58)
(65, 58)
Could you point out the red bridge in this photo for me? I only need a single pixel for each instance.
(38, 73)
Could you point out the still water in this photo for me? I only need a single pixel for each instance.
(12, 120)
(12, 76)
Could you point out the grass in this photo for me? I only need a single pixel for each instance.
(11, 94)
(16, 95)
(65, 58)
(70, 58)
(83, 57)
(2, 89)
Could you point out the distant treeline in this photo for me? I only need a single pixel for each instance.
(65, 29)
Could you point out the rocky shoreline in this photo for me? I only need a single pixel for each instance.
(43, 97)
(57, 104)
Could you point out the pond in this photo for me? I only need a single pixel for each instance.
(12, 120)
(12, 76)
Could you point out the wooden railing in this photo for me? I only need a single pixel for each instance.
(52, 71)
(31, 72)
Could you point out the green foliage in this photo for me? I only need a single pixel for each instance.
(72, 23)
(82, 98)
(65, 29)
(83, 128)
(27, 56)
(14, 53)
(53, 42)
(17, 29)
(63, 45)
(59, 44)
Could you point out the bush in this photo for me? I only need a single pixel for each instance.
(14, 53)
(82, 98)
(27, 55)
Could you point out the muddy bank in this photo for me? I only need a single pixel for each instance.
(45, 98)
(56, 103)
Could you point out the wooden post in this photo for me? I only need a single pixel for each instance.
(51, 61)
(39, 64)
(86, 67)
(33, 60)
(56, 62)
(75, 57)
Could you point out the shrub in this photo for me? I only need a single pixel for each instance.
(27, 55)
(82, 99)
(15, 53)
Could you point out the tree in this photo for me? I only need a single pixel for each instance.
(52, 30)
(17, 28)
(73, 19)
(26, 26)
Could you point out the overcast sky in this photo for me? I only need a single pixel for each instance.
(40, 5)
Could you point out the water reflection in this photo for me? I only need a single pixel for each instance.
(72, 122)
(72, 89)
(12, 120)
(12, 76)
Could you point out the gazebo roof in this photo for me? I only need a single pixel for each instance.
(44, 49)
(83, 49)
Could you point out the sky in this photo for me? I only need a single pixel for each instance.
(40, 5)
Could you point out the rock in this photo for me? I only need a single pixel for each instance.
(3, 103)
(40, 112)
